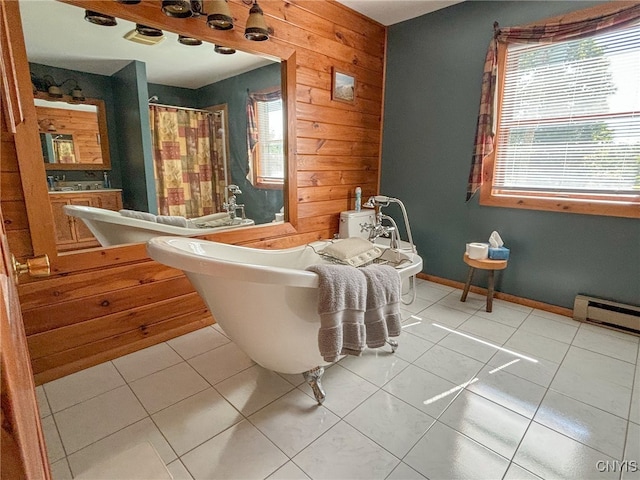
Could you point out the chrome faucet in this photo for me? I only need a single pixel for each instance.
(390, 231)
(230, 205)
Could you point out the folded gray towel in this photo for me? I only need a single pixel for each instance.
(149, 217)
(173, 220)
(342, 297)
(382, 318)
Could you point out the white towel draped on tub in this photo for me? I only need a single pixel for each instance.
(357, 308)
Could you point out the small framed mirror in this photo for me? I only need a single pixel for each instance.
(73, 134)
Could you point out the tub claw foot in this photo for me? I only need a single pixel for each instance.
(393, 344)
(312, 377)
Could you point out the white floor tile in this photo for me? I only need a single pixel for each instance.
(446, 315)
(602, 394)
(586, 424)
(471, 305)
(55, 450)
(596, 366)
(60, 470)
(293, 422)
(289, 471)
(537, 346)
(493, 331)
(142, 431)
(553, 316)
(240, 452)
(98, 417)
(221, 363)
(179, 471)
(423, 390)
(195, 420)
(411, 346)
(470, 345)
(634, 415)
(166, 387)
(198, 342)
(423, 328)
(147, 361)
(516, 472)
(253, 388)
(81, 386)
(344, 389)
(505, 313)
(343, 452)
(378, 365)
(43, 403)
(622, 349)
(632, 453)
(444, 453)
(404, 472)
(549, 454)
(450, 365)
(397, 426)
(560, 331)
(512, 392)
(540, 372)
(417, 305)
(427, 291)
(486, 422)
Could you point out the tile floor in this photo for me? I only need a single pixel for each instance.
(513, 394)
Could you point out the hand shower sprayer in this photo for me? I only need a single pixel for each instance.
(377, 230)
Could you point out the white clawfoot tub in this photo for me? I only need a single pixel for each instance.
(264, 300)
(110, 228)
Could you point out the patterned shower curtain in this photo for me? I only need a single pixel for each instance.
(182, 150)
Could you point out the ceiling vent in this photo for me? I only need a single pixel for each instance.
(137, 37)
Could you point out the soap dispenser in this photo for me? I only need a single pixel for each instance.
(106, 183)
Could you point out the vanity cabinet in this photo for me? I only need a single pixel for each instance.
(71, 232)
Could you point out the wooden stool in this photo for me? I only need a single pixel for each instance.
(487, 264)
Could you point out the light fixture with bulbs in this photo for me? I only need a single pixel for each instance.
(217, 13)
(54, 89)
(256, 28)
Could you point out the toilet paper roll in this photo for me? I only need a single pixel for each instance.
(478, 251)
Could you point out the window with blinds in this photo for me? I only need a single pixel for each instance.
(570, 119)
(270, 161)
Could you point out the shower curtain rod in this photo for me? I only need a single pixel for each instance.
(181, 108)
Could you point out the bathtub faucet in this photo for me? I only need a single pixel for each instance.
(230, 205)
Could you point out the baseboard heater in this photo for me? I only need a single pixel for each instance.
(607, 313)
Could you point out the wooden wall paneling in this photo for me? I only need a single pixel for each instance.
(69, 361)
(320, 162)
(77, 319)
(75, 287)
(95, 329)
(49, 317)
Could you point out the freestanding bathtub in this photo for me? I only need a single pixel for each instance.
(264, 300)
(111, 228)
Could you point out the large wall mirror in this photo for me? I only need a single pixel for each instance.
(147, 92)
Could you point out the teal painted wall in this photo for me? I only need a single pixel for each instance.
(433, 80)
(260, 203)
(134, 137)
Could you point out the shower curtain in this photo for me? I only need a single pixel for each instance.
(183, 156)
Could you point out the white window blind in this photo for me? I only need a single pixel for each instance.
(270, 140)
(570, 117)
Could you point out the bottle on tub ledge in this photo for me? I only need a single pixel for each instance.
(106, 183)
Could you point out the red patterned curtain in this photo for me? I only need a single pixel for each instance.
(253, 98)
(625, 14)
(182, 160)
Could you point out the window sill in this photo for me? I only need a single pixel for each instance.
(630, 209)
